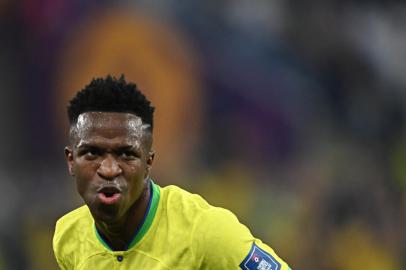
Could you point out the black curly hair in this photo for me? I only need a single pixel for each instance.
(110, 94)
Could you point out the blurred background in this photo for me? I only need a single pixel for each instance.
(289, 113)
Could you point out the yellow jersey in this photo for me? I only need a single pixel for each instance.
(180, 231)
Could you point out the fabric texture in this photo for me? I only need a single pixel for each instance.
(185, 232)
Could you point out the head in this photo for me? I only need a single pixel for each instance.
(110, 146)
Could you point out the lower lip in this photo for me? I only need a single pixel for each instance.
(109, 200)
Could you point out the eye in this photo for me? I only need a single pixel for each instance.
(90, 153)
(128, 155)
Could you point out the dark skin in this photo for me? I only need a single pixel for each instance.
(110, 157)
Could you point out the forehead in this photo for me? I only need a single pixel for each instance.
(109, 125)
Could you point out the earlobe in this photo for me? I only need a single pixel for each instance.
(69, 159)
(150, 160)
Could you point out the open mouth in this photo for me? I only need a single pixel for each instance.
(109, 194)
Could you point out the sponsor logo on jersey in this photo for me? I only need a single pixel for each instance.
(259, 259)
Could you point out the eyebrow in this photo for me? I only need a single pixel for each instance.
(92, 145)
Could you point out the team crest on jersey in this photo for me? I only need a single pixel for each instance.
(259, 259)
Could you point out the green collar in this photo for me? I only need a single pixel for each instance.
(147, 220)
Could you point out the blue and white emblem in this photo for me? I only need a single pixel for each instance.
(259, 259)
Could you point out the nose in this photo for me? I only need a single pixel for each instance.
(109, 168)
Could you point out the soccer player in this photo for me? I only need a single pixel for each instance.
(128, 221)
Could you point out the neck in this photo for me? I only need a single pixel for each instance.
(120, 233)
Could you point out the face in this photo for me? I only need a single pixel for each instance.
(110, 156)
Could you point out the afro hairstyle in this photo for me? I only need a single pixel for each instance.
(110, 94)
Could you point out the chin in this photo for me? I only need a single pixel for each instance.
(106, 214)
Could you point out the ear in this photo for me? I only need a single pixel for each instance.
(69, 159)
(150, 160)
(151, 156)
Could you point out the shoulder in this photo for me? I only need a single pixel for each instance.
(211, 229)
(216, 237)
(221, 241)
(70, 230)
(219, 227)
(72, 222)
(202, 215)
(183, 205)
(174, 195)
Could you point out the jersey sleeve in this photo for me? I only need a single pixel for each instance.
(61, 264)
(57, 247)
(220, 241)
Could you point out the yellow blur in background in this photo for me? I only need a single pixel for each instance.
(289, 114)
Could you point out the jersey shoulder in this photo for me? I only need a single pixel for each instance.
(185, 203)
(217, 238)
(222, 242)
(180, 202)
(71, 231)
(73, 222)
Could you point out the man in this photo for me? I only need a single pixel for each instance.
(129, 222)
